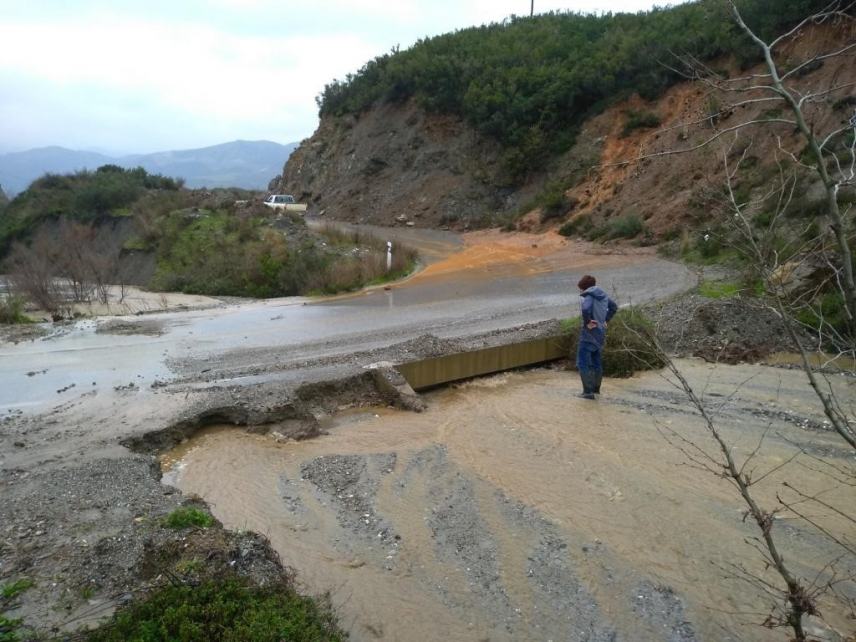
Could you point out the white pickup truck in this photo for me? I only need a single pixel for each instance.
(284, 202)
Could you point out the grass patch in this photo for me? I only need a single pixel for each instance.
(627, 350)
(719, 289)
(9, 629)
(137, 244)
(14, 589)
(186, 517)
(225, 610)
(12, 311)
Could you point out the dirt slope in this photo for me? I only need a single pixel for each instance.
(396, 160)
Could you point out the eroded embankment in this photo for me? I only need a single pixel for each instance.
(510, 509)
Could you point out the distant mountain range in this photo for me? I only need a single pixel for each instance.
(241, 163)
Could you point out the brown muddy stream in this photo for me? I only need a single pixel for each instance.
(512, 510)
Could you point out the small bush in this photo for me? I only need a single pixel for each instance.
(186, 517)
(639, 119)
(709, 245)
(225, 610)
(13, 589)
(625, 227)
(12, 311)
(828, 311)
(578, 225)
(553, 201)
(627, 350)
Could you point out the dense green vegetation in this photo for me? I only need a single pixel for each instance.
(83, 196)
(529, 82)
(228, 610)
(217, 242)
(215, 252)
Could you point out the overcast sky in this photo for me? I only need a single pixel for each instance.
(151, 75)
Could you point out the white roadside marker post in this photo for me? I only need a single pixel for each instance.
(388, 256)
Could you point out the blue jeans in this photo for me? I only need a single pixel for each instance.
(589, 365)
(588, 358)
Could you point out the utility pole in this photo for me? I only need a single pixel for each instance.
(532, 8)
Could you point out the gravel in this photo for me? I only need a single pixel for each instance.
(728, 330)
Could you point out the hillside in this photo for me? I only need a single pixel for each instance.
(243, 164)
(485, 125)
(69, 239)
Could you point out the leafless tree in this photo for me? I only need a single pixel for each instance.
(32, 272)
(73, 259)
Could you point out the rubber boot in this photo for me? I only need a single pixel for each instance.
(598, 379)
(588, 385)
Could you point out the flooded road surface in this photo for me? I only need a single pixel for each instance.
(480, 282)
(512, 510)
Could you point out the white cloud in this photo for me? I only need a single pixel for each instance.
(170, 74)
(195, 69)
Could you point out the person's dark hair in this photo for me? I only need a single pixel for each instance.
(586, 282)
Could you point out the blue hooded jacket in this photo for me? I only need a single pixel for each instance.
(595, 305)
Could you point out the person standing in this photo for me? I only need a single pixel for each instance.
(596, 310)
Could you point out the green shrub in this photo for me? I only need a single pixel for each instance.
(625, 227)
(627, 349)
(831, 310)
(227, 610)
(186, 517)
(553, 201)
(578, 225)
(12, 311)
(709, 245)
(639, 120)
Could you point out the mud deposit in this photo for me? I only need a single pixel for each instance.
(512, 510)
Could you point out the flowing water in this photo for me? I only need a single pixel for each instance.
(512, 510)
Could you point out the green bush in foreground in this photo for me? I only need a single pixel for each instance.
(627, 350)
(226, 610)
(187, 516)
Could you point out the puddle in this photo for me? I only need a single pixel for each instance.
(513, 510)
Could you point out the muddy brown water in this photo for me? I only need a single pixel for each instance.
(513, 510)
